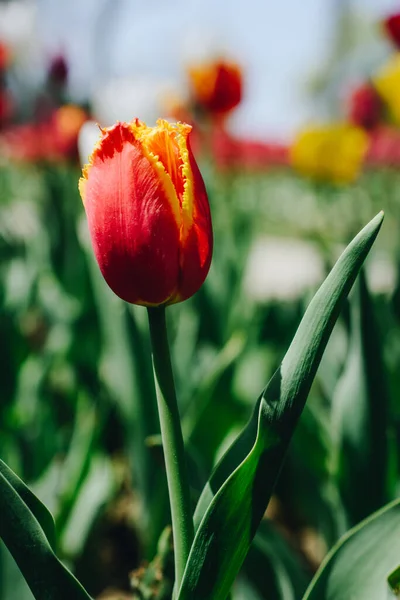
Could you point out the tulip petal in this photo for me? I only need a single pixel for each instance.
(197, 246)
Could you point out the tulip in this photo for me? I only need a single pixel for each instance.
(52, 140)
(365, 108)
(391, 26)
(216, 87)
(4, 57)
(58, 71)
(330, 153)
(148, 212)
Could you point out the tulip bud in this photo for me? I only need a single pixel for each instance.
(148, 212)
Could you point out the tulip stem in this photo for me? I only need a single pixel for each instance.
(172, 439)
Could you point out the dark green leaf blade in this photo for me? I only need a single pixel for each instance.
(236, 496)
(22, 534)
(394, 582)
(37, 508)
(273, 567)
(360, 414)
(358, 566)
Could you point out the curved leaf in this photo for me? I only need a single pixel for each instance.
(22, 534)
(237, 494)
(359, 414)
(358, 566)
(38, 509)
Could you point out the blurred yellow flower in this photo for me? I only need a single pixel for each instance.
(387, 84)
(330, 152)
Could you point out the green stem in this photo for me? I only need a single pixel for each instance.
(171, 433)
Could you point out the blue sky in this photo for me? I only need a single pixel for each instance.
(281, 44)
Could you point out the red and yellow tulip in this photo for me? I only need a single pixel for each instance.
(216, 87)
(148, 212)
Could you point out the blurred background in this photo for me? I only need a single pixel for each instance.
(295, 109)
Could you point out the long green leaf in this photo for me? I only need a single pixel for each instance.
(273, 568)
(38, 509)
(359, 565)
(359, 414)
(237, 494)
(22, 534)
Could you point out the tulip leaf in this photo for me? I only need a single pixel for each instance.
(358, 566)
(359, 414)
(272, 567)
(235, 498)
(37, 508)
(394, 582)
(24, 537)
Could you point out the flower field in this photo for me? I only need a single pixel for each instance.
(200, 349)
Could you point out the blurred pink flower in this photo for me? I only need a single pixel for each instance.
(231, 152)
(384, 148)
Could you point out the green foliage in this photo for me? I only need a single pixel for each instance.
(360, 564)
(26, 540)
(394, 582)
(272, 568)
(237, 494)
(360, 409)
(156, 580)
(38, 509)
(76, 368)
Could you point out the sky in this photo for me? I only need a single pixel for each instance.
(282, 45)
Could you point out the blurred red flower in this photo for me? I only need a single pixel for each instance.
(5, 57)
(245, 154)
(54, 139)
(58, 70)
(6, 107)
(392, 28)
(365, 107)
(216, 87)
